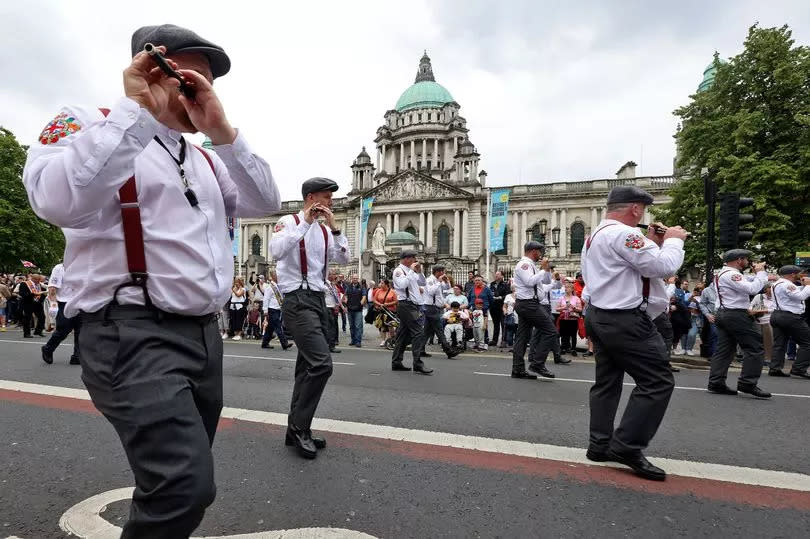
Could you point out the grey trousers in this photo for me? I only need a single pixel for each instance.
(433, 326)
(664, 326)
(532, 315)
(307, 320)
(410, 331)
(626, 341)
(736, 326)
(159, 382)
(787, 324)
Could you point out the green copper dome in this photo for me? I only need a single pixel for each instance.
(425, 92)
(708, 75)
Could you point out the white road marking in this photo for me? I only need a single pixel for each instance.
(84, 520)
(285, 359)
(701, 470)
(630, 384)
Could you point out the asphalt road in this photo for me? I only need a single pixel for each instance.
(509, 464)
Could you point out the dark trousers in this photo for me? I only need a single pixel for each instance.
(31, 309)
(410, 331)
(433, 327)
(568, 334)
(532, 316)
(356, 326)
(306, 319)
(331, 327)
(626, 341)
(496, 312)
(736, 326)
(64, 326)
(664, 326)
(274, 325)
(786, 324)
(159, 382)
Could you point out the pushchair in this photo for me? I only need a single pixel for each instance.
(387, 320)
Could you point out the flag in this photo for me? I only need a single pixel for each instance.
(365, 213)
(28, 264)
(234, 234)
(497, 218)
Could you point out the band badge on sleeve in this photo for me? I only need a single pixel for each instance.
(58, 128)
(279, 227)
(525, 266)
(791, 288)
(736, 277)
(634, 241)
(398, 273)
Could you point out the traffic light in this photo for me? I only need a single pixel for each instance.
(731, 219)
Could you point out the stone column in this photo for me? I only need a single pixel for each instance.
(435, 163)
(646, 218)
(524, 226)
(388, 223)
(381, 168)
(424, 153)
(594, 218)
(456, 233)
(413, 154)
(429, 230)
(266, 241)
(455, 146)
(517, 244)
(396, 222)
(465, 226)
(401, 156)
(563, 251)
(448, 160)
(422, 227)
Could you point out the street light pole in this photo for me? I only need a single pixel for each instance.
(710, 198)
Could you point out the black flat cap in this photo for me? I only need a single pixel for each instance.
(437, 267)
(790, 269)
(736, 254)
(406, 253)
(531, 245)
(629, 193)
(178, 39)
(314, 185)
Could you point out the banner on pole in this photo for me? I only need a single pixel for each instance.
(233, 233)
(497, 218)
(365, 212)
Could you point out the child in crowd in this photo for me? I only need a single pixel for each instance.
(478, 319)
(455, 317)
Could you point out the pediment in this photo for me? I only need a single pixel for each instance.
(411, 185)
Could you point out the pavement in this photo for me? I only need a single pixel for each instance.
(468, 452)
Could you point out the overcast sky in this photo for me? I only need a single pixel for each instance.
(552, 91)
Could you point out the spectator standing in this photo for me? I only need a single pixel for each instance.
(509, 319)
(237, 308)
(695, 322)
(499, 289)
(708, 308)
(273, 298)
(479, 326)
(570, 308)
(680, 317)
(386, 298)
(334, 306)
(5, 295)
(470, 283)
(761, 308)
(481, 291)
(354, 299)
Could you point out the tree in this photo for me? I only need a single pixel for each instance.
(23, 235)
(751, 128)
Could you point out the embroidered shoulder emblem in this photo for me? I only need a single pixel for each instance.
(791, 288)
(398, 273)
(525, 266)
(736, 277)
(60, 127)
(634, 241)
(279, 227)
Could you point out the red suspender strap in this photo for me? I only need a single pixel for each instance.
(207, 158)
(773, 293)
(325, 250)
(302, 251)
(645, 281)
(592, 236)
(717, 286)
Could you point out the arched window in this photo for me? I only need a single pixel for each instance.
(443, 240)
(538, 232)
(505, 242)
(577, 237)
(410, 230)
(256, 245)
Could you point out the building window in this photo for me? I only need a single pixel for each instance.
(443, 240)
(577, 237)
(419, 117)
(538, 232)
(505, 242)
(256, 245)
(410, 230)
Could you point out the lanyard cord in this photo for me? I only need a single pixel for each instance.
(180, 161)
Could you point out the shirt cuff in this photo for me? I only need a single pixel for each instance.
(677, 242)
(238, 150)
(134, 120)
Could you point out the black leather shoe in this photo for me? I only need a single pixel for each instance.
(28, 336)
(74, 360)
(286, 347)
(587, 354)
(573, 353)
(754, 391)
(542, 371)
(289, 439)
(562, 361)
(39, 335)
(47, 356)
(399, 367)
(422, 370)
(303, 442)
(800, 374)
(524, 375)
(721, 389)
(425, 354)
(267, 347)
(335, 350)
(639, 464)
(779, 373)
(597, 455)
(492, 343)
(451, 353)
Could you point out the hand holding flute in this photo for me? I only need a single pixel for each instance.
(659, 232)
(147, 85)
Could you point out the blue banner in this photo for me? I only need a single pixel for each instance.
(499, 205)
(233, 233)
(365, 213)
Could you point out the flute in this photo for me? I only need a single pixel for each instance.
(152, 51)
(658, 229)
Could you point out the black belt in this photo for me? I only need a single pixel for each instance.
(305, 291)
(140, 312)
(407, 301)
(533, 300)
(616, 311)
(787, 312)
(726, 309)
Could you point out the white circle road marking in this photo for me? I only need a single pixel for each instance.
(84, 520)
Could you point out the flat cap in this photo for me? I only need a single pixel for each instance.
(437, 267)
(314, 185)
(790, 269)
(627, 194)
(179, 39)
(736, 254)
(406, 253)
(531, 245)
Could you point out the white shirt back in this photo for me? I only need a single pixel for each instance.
(788, 296)
(734, 290)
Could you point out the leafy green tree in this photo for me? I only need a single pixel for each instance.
(23, 235)
(752, 129)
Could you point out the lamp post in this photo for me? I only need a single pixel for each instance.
(555, 238)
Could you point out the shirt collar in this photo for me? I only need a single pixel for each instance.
(165, 134)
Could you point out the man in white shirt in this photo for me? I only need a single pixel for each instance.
(303, 248)
(271, 305)
(433, 305)
(787, 320)
(409, 285)
(149, 262)
(64, 325)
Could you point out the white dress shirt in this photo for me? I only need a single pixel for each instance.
(733, 289)
(74, 183)
(284, 248)
(530, 282)
(407, 283)
(658, 300)
(434, 292)
(788, 296)
(270, 300)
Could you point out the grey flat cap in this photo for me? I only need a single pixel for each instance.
(532, 245)
(179, 39)
(790, 269)
(437, 267)
(314, 185)
(736, 254)
(627, 194)
(406, 253)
